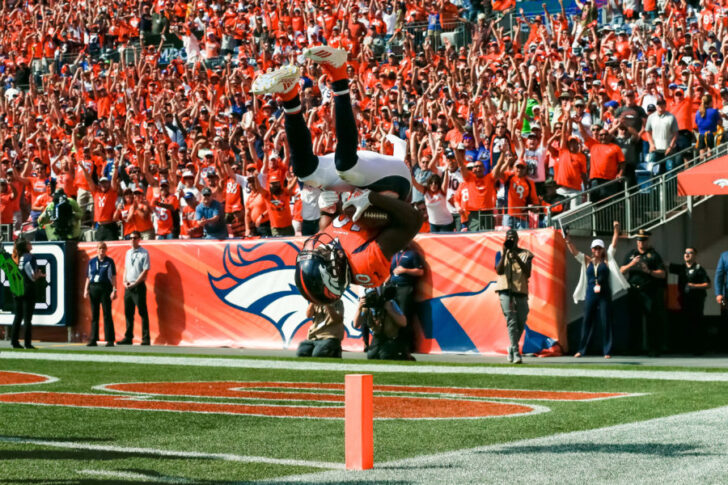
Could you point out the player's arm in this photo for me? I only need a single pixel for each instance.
(405, 222)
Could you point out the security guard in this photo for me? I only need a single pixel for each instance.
(692, 285)
(101, 289)
(646, 275)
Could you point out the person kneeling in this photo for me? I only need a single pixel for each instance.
(379, 312)
(326, 332)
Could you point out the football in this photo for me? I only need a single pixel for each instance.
(372, 217)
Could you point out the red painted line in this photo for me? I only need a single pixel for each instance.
(124, 402)
(9, 378)
(385, 407)
(230, 389)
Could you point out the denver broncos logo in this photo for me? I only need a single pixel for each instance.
(257, 281)
(722, 183)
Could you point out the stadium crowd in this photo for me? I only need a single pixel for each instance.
(497, 124)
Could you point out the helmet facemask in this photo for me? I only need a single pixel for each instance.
(322, 270)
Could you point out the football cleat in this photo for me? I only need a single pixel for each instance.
(332, 60)
(281, 81)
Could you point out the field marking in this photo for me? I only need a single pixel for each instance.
(287, 389)
(74, 445)
(134, 476)
(4, 375)
(682, 448)
(505, 370)
(121, 402)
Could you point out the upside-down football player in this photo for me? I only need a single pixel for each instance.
(345, 252)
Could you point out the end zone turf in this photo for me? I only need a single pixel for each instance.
(76, 441)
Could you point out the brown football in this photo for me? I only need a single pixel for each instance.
(372, 217)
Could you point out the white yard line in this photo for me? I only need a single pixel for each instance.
(685, 448)
(108, 474)
(75, 445)
(373, 368)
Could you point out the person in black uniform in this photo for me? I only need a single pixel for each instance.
(692, 285)
(646, 275)
(25, 303)
(406, 268)
(101, 289)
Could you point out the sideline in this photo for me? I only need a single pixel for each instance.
(683, 448)
(698, 376)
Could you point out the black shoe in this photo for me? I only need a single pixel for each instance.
(29, 346)
(91, 344)
(145, 342)
(109, 344)
(16, 345)
(125, 341)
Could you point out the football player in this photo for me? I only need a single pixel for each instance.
(346, 251)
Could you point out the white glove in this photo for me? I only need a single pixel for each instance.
(360, 201)
(328, 199)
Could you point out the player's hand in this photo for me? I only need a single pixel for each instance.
(328, 199)
(360, 202)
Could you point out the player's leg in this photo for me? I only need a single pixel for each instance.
(404, 222)
(333, 62)
(380, 173)
(284, 82)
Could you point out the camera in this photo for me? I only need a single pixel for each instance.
(509, 244)
(375, 298)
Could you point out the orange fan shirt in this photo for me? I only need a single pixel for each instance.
(164, 216)
(104, 206)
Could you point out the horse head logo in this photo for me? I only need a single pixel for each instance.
(257, 280)
(722, 183)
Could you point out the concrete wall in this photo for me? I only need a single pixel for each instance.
(706, 229)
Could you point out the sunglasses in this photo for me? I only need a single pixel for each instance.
(689, 252)
(135, 237)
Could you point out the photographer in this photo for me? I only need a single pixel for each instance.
(326, 332)
(61, 219)
(513, 266)
(377, 311)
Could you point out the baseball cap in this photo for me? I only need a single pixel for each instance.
(206, 191)
(163, 182)
(104, 179)
(189, 195)
(188, 173)
(597, 243)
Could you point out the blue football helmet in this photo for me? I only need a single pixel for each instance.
(322, 270)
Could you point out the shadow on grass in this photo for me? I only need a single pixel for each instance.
(653, 449)
(21, 438)
(83, 482)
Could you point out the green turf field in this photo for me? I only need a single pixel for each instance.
(128, 445)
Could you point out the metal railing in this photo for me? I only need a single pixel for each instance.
(644, 206)
(616, 186)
